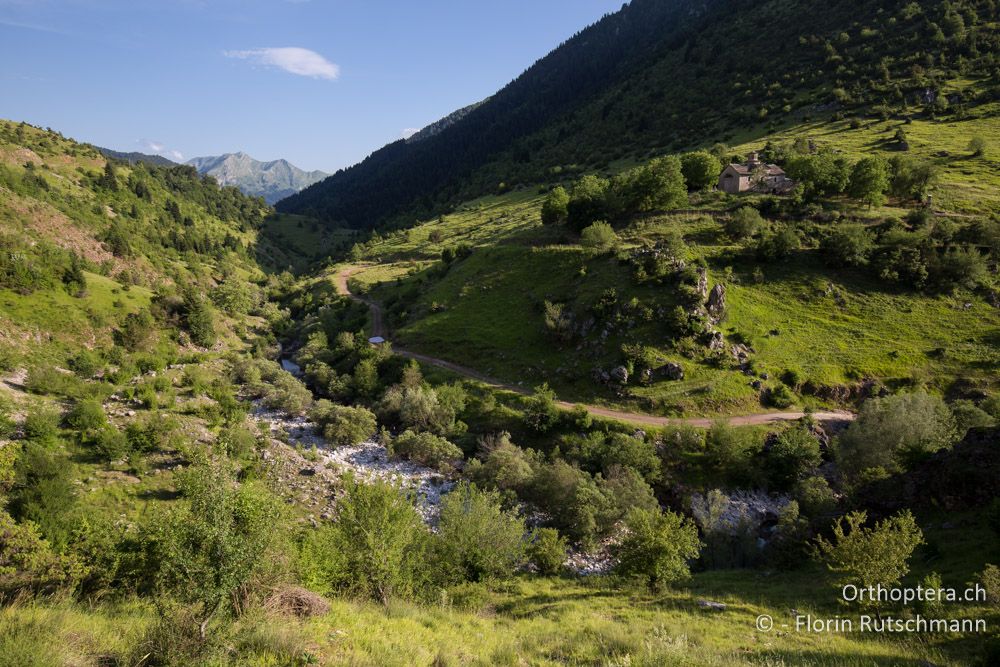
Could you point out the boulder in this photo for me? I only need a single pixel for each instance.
(671, 371)
(716, 341)
(716, 304)
(619, 374)
(702, 282)
(712, 605)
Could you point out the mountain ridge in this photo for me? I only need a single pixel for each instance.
(273, 179)
(660, 77)
(132, 157)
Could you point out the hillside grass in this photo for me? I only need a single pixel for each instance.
(833, 327)
(528, 621)
(297, 243)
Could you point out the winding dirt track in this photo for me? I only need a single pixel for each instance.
(378, 329)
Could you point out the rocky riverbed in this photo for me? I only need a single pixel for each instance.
(368, 461)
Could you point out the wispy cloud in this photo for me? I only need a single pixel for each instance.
(296, 60)
(410, 131)
(32, 26)
(159, 148)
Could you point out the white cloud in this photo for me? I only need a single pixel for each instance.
(410, 131)
(302, 62)
(159, 148)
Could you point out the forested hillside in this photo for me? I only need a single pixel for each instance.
(661, 76)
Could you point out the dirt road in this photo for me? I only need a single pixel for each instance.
(378, 329)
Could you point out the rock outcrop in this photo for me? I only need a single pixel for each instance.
(716, 304)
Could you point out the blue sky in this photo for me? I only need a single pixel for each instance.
(320, 82)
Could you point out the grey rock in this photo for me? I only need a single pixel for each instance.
(702, 282)
(716, 303)
(671, 370)
(619, 374)
(711, 604)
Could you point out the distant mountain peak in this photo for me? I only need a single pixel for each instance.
(274, 180)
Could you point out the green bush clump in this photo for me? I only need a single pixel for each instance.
(657, 547)
(599, 237)
(427, 449)
(42, 424)
(87, 415)
(343, 425)
(477, 539)
(547, 551)
(377, 549)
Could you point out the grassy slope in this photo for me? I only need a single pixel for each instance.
(550, 621)
(832, 325)
(50, 323)
(297, 243)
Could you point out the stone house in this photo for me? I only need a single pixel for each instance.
(756, 176)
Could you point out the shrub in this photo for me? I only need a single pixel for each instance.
(792, 454)
(968, 415)
(477, 539)
(377, 548)
(547, 551)
(199, 318)
(286, 393)
(815, 497)
(41, 424)
(870, 557)
(43, 492)
(47, 380)
(136, 330)
(427, 449)
(587, 203)
(780, 396)
(977, 146)
(555, 208)
(743, 223)
(989, 579)
(540, 411)
(701, 169)
(149, 434)
(342, 425)
(237, 441)
(895, 431)
(870, 180)
(911, 178)
(604, 451)
(85, 364)
(87, 415)
(215, 541)
(424, 408)
(657, 547)
(506, 467)
(600, 237)
(235, 297)
(572, 499)
(848, 245)
(29, 564)
(777, 245)
(110, 444)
